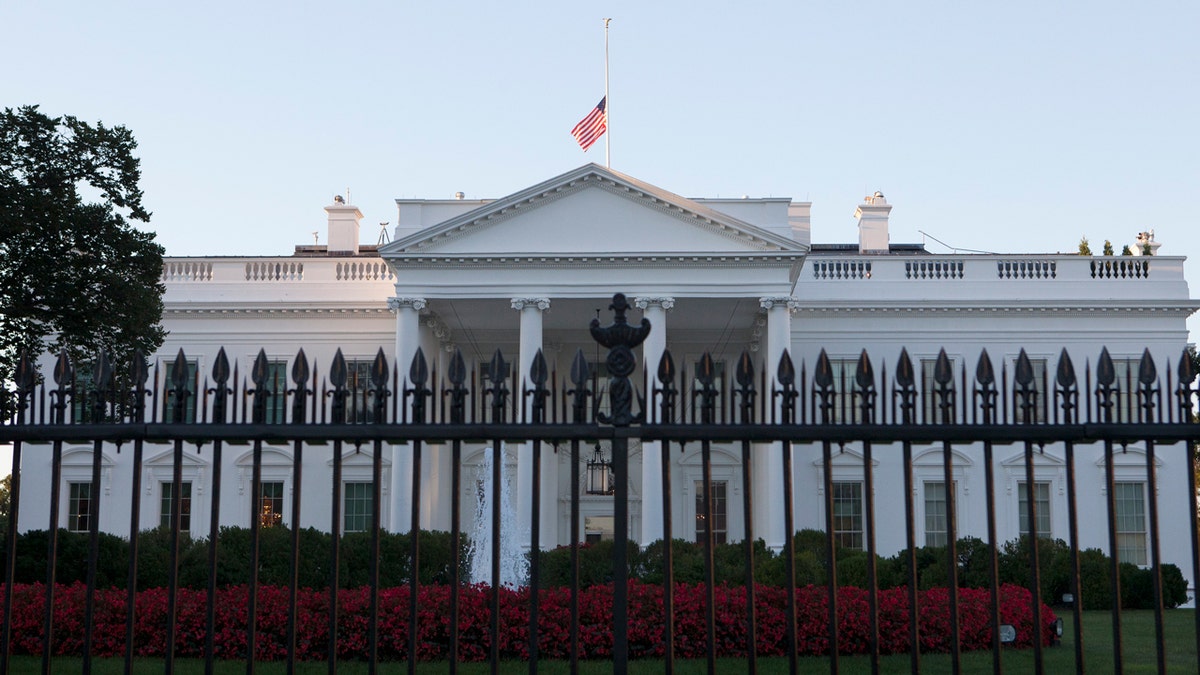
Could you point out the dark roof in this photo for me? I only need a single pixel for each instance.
(852, 249)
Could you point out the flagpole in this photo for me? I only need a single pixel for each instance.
(607, 104)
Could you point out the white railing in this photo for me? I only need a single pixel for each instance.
(288, 270)
(364, 271)
(187, 270)
(976, 268)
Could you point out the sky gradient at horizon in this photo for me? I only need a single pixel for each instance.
(1012, 127)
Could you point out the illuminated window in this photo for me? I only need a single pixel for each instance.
(718, 512)
(270, 510)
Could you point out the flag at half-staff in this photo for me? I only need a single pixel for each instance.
(591, 128)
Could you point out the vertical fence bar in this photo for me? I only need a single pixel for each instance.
(221, 394)
(745, 390)
(786, 377)
(1035, 570)
(905, 393)
(418, 375)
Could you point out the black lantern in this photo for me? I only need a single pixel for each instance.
(599, 474)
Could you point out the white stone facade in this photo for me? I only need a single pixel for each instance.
(530, 270)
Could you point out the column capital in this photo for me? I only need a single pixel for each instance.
(397, 303)
(645, 302)
(541, 304)
(773, 301)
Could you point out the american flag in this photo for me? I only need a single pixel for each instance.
(591, 128)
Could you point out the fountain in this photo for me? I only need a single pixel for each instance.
(514, 566)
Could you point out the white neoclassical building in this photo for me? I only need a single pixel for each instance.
(530, 270)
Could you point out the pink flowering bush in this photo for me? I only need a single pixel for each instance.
(645, 621)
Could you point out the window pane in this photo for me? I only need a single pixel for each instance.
(189, 408)
(1131, 522)
(848, 514)
(270, 511)
(277, 384)
(185, 510)
(1042, 495)
(936, 530)
(79, 507)
(718, 511)
(358, 498)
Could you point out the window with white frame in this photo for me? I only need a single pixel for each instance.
(937, 509)
(845, 387)
(931, 402)
(270, 503)
(1125, 400)
(80, 507)
(848, 514)
(1130, 501)
(356, 512)
(719, 512)
(1041, 497)
(1038, 414)
(167, 491)
(277, 384)
(189, 406)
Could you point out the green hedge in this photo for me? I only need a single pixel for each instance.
(595, 564)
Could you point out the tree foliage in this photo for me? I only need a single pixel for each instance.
(74, 273)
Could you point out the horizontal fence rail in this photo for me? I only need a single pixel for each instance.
(319, 409)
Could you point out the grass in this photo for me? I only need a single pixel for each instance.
(1138, 644)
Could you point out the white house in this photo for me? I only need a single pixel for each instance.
(530, 270)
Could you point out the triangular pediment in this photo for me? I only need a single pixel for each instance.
(592, 210)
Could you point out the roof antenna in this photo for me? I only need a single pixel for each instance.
(316, 240)
(384, 237)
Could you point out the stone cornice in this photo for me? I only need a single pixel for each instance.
(487, 261)
(275, 311)
(984, 309)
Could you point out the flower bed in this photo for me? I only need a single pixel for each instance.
(646, 626)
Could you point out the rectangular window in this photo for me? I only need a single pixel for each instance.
(189, 407)
(277, 384)
(846, 405)
(1041, 495)
(1125, 400)
(1039, 387)
(81, 403)
(185, 507)
(848, 514)
(360, 406)
(937, 531)
(357, 512)
(79, 507)
(270, 509)
(718, 512)
(931, 402)
(1131, 522)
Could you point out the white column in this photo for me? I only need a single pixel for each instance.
(768, 464)
(654, 309)
(531, 341)
(408, 338)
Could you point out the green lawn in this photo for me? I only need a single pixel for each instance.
(1138, 627)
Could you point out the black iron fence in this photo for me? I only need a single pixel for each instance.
(1112, 404)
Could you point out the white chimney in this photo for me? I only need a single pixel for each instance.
(800, 221)
(343, 227)
(872, 218)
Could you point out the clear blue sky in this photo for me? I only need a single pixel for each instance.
(1007, 126)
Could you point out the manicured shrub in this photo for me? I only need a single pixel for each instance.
(645, 621)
